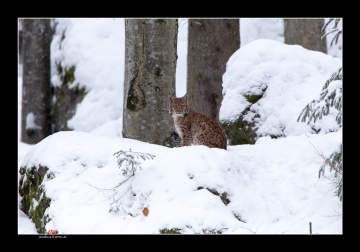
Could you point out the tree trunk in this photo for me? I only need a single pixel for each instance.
(211, 42)
(305, 32)
(35, 122)
(150, 65)
(20, 41)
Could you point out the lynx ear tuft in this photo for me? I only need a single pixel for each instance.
(185, 97)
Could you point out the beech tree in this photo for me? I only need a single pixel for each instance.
(211, 42)
(20, 40)
(305, 32)
(150, 65)
(36, 92)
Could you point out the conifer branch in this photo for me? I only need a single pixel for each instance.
(327, 161)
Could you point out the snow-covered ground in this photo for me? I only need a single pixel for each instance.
(273, 186)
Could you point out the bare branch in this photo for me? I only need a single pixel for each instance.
(108, 189)
(251, 230)
(327, 161)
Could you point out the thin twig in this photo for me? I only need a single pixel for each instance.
(121, 183)
(251, 230)
(326, 160)
(337, 215)
(125, 192)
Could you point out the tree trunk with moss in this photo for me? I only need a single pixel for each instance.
(211, 42)
(150, 64)
(36, 92)
(305, 32)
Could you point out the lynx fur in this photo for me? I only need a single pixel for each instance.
(193, 127)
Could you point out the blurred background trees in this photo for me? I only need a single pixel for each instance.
(36, 90)
(211, 42)
(305, 32)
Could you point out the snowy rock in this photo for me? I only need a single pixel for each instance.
(266, 86)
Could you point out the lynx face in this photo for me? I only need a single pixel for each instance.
(178, 107)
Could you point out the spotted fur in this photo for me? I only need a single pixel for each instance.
(193, 127)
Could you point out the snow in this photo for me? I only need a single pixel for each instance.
(336, 49)
(273, 185)
(261, 28)
(292, 76)
(96, 48)
(30, 122)
(273, 188)
(181, 65)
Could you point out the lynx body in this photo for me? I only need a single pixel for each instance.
(193, 127)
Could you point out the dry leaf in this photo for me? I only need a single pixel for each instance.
(145, 211)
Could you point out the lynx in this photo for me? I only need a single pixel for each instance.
(193, 127)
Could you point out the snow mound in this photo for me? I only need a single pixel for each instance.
(286, 77)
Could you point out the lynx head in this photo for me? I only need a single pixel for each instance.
(178, 106)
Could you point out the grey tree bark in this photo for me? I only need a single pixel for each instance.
(211, 42)
(36, 93)
(20, 40)
(150, 65)
(305, 32)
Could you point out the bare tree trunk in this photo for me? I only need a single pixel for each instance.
(20, 41)
(305, 32)
(36, 93)
(150, 65)
(211, 42)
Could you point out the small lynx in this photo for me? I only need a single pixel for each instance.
(193, 127)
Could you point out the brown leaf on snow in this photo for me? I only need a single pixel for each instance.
(145, 211)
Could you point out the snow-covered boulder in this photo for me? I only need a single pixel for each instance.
(71, 182)
(266, 86)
